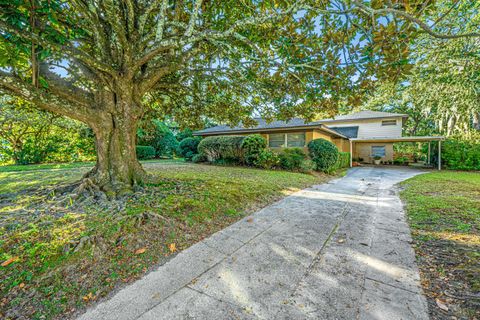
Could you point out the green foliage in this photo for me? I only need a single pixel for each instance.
(145, 152)
(158, 135)
(186, 133)
(29, 136)
(343, 161)
(461, 153)
(252, 146)
(292, 159)
(401, 160)
(226, 148)
(197, 158)
(267, 159)
(323, 153)
(188, 147)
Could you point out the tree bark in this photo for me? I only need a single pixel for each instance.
(476, 121)
(117, 170)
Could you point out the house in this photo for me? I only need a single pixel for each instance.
(365, 134)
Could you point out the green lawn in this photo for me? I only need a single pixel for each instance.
(444, 214)
(59, 258)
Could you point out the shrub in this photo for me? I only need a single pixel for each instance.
(323, 153)
(400, 160)
(227, 148)
(292, 159)
(459, 153)
(199, 158)
(157, 134)
(145, 152)
(188, 147)
(252, 146)
(267, 159)
(343, 160)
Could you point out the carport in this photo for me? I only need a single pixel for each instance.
(428, 139)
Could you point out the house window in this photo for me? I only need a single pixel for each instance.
(389, 122)
(378, 151)
(296, 140)
(276, 140)
(290, 140)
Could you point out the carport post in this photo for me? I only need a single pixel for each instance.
(351, 154)
(439, 154)
(428, 159)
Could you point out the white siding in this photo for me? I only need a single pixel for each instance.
(372, 128)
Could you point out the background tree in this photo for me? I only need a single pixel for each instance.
(221, 59)
(441, 93)
(32, 136)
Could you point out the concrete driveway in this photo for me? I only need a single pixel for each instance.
(334, 251)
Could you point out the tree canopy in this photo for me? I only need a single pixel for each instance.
(441, 91)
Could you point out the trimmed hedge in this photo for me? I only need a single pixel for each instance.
(267, 159)
(145, 152)
(343, 160)
(252, 146)
(188, 147)
(199, 158)
(292, 159)
(323, 153)
(226, 148)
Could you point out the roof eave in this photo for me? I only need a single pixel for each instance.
(255, 130)
(365, 118)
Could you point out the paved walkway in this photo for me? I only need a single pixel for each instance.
(335, 251)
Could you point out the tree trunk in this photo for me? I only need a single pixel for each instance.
(476, 120)
(117, 170)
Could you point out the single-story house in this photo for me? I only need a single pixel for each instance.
(365, 134)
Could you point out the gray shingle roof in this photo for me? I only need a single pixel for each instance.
(262, 124)
(349, 132)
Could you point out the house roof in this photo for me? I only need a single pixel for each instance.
(349, 132)
(262, 125)
(365, 114)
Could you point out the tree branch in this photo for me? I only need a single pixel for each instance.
(74, 52)
(425, 27)
(14, 86)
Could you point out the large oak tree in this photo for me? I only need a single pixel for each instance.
(224, 59)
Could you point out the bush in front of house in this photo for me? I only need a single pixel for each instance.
(343, 160)
(459, 153)
(252, 146)
(199, 158)
(145, 152)
(224, 149)
(188, 147)
(324, 154)
(293, 159)
(267, 159)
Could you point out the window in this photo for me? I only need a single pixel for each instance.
(389, 122)
(276, 140)
(378, 151)
(290, 140)
(296, 140)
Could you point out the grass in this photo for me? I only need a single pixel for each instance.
(62, 258)
(444, 214)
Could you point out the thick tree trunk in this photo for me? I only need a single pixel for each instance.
(117, 170)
